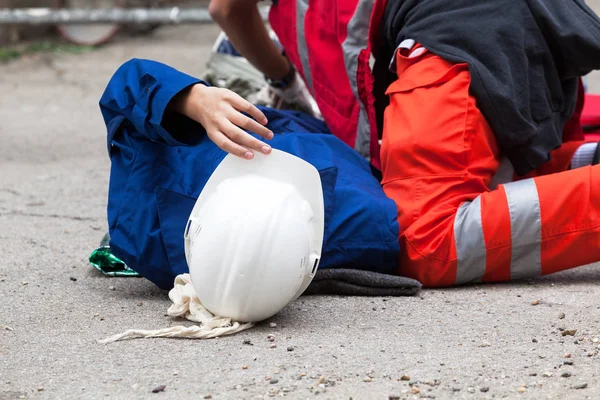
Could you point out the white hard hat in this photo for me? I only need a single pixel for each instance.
(254, 238)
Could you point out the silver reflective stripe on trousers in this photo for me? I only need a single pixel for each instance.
(356, 41)
(301, 8)
(525, 229)
(525, 235)
(470, 243)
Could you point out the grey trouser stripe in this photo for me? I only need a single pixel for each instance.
(525, 229)
(301, 8)
(470, 243)
(356, 41)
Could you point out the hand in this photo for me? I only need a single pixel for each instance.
(220, 113)
(294, 97)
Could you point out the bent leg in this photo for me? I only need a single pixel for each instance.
(439, 157)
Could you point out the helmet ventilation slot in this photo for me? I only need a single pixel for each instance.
(314, 269)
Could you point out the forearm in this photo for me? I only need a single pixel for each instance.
(241, 21)
(140, 92)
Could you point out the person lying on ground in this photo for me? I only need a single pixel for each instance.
(162, 125)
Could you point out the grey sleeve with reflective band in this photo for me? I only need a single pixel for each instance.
(356, 41)
(301, 9)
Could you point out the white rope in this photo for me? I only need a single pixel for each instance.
(186, 305)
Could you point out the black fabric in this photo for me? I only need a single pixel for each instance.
(525, 58)
(354, 282)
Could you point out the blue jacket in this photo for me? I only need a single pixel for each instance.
(160, 161)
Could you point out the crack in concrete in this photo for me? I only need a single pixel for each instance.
(28, 214)
(11, 191)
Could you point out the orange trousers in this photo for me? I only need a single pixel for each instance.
(441, 165)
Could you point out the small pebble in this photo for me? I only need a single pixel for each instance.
(568, 362)
(40, 389)
(208, 396)
(566, 374)
(248, 342)
(415, 390)
(547, 374)
(273, 381)
(393, 397)
(567, 355)
(321, 380)
(244, 367)
(561, 315)
(535, 302)
(290, 348)
(273, 346)
(456, 389)
(8, 328)
(175, 373)
(569, 332)
(533, 374)
(367, 379)
(160, 388)
(485, 389)
(522, 389)
(24, 283)
(405, 378)
(471, 389)
(112, 288)
(273, 325)
(73, 279)
(485, 344)
(534, 340)
(140, 304)
(580, 386)
(271, 338)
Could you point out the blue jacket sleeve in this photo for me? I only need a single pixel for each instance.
(139, 93)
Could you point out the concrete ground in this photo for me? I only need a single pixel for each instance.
(484, 341)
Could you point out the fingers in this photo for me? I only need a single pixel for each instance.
(227, 145)
(226, 123)
(242, 138)
(240, 104)
(249, 124)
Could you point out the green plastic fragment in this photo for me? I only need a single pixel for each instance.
(106, 262)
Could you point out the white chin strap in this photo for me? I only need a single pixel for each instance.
(186, 305)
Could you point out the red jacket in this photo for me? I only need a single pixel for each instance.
(330, 44)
